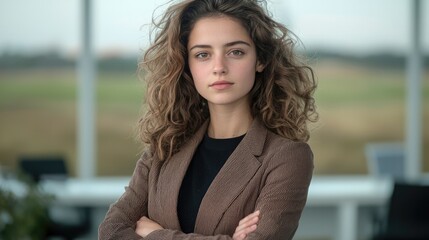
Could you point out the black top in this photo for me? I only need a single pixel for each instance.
(207, 161)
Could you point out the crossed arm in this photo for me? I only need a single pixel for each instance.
(279, 204)
(122, 222)
(145, 226)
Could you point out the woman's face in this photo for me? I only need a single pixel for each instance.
(222, 60)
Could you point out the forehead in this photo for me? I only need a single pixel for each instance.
(218, 30)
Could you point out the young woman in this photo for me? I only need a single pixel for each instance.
(225, 128)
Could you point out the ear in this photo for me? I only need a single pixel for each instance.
(259, 66)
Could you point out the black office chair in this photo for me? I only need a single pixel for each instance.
(40, 167)
(408, 214)
(66, 222)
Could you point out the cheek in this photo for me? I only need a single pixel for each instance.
(196, 69)
(247, 71)
(197, 74)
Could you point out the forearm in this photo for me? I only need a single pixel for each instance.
(118, 224)
(145, 227)
(167, 234)
(114, 231)
(120, 220)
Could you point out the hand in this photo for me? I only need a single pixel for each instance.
(246, 226)
(145, 226)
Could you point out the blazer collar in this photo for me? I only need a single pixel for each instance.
(171, 177)
(232, 179)
(227, 185)
(255, 138)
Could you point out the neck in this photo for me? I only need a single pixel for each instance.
(229, 123)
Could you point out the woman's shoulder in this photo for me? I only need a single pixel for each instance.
(275, 141)
(278, 148)
(267, 144)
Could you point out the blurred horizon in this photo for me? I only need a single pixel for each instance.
(118, 59)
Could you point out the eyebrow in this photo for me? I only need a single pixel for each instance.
(226, 45)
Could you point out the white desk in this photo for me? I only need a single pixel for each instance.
(97, 192)
(347, 193)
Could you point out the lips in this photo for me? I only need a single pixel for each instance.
(221, 85)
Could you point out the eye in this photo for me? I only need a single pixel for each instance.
(236, 53)
(202, 55)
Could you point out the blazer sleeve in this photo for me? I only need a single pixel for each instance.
(121, 219)
(284, 193)
(168, 234)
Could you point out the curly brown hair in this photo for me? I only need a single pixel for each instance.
(282, 96)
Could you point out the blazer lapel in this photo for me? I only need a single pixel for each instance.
(171, 177)
(231, 180)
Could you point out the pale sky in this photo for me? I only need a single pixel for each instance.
(356, 26)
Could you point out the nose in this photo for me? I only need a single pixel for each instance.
(219, 66)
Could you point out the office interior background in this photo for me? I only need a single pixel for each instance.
(358, 49)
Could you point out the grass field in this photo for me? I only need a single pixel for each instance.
(356, 105)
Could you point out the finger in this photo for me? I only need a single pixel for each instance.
(248, 223)
(239, 236)
(250, 216)
(246, 231)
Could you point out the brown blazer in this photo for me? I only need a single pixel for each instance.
(265, 172)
